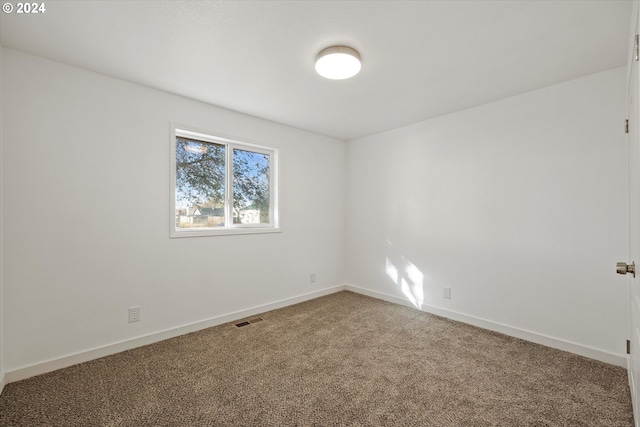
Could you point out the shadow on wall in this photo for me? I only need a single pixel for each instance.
(406, 276)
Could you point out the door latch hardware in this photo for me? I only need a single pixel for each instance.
(624, 268)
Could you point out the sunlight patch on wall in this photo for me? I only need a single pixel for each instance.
(408, 278)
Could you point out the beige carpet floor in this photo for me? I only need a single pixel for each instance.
(340, 360)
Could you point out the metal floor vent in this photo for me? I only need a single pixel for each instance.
(250, 321)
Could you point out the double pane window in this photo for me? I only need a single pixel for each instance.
(221, 186)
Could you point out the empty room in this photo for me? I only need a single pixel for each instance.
(319, 213)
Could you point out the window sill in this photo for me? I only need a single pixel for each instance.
(223, 232)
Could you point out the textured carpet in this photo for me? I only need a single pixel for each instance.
(344, 359)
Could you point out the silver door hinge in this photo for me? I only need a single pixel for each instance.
(626, 126)
(636, 47)
(628, 347)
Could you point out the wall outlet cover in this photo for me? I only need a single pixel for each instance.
(134, 314)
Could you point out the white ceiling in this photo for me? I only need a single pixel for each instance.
(420, 59)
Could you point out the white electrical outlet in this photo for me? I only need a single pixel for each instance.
(312, 278)
(446, 292)
(134, 314)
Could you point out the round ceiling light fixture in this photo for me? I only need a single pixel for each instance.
(338, 62)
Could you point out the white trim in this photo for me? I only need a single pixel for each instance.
(557, 343)
(98, 352)
(635, 6)
(2, 383)
(632, 305)
(631, 388)
(202, 232)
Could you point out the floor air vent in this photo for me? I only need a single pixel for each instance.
(250, 321)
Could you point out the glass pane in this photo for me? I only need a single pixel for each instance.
(250, 187)
(200, 184)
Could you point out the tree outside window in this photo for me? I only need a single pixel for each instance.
(221, 184)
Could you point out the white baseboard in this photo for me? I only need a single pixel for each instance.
(634, 398)
(96, 353)
(1, 381)
(557, 343)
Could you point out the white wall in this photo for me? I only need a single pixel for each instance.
(2, 380)
(519, 206)
(86, 214)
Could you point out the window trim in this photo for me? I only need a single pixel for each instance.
(230, 142)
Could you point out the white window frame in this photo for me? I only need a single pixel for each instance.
(185, 131)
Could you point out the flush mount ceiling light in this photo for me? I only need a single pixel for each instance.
(338, 62)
